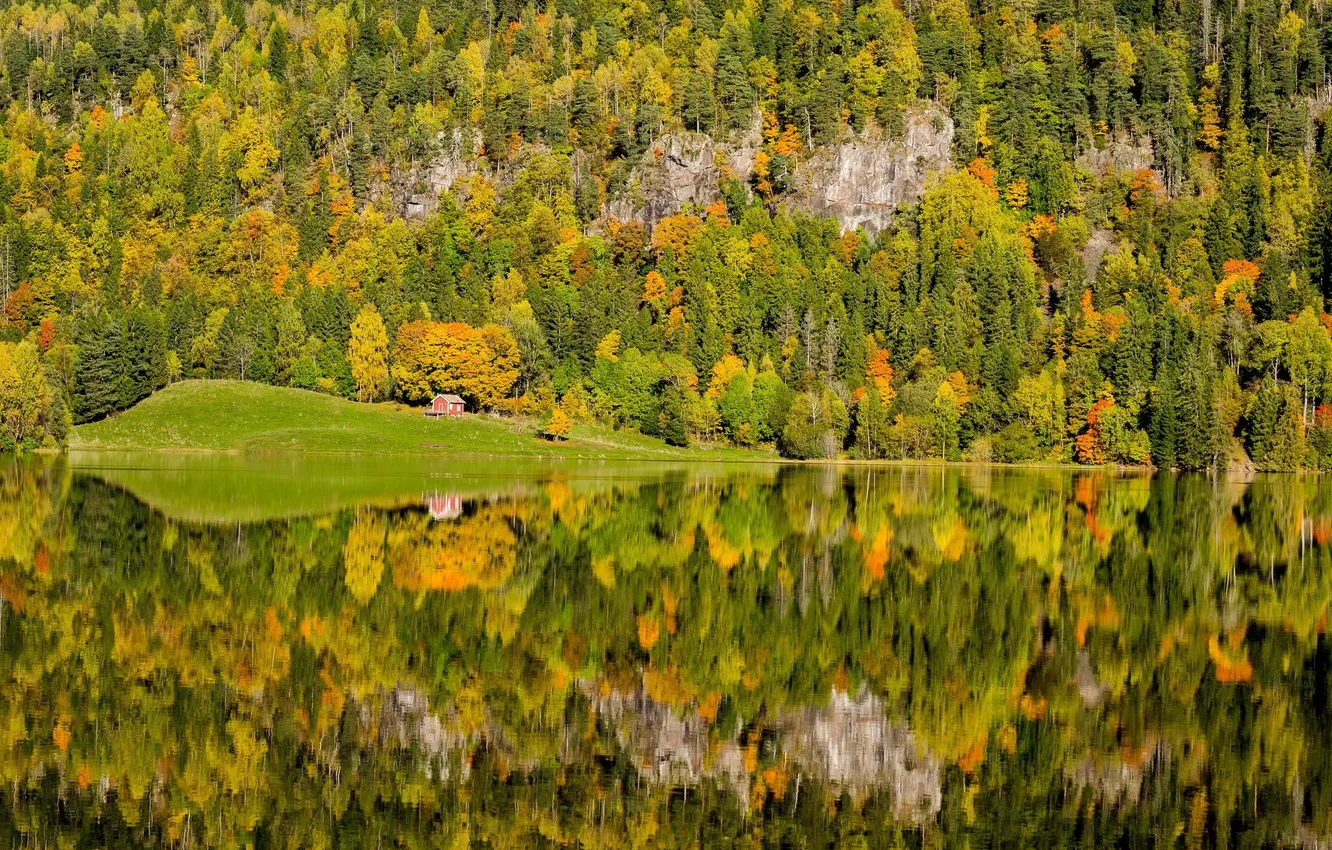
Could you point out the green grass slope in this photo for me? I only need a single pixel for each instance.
(237, 416)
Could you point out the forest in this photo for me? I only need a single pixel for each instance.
(1125, 259)
(1071, 658)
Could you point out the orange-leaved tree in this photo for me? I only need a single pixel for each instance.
(879, 372)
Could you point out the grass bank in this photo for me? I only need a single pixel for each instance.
(239, 416)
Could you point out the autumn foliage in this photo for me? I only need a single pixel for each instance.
(1088, 443)
(480, 364)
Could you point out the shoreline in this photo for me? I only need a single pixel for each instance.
(700, 456)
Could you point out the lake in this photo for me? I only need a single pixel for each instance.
(305, 651)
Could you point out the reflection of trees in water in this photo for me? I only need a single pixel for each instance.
(572, 656)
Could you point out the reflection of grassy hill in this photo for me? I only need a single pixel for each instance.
(226, 488)
(240, 416)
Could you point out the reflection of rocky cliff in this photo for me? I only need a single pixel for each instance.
(1117, 781)
(849, 744)
(670, 748)
(1113, 781)
(406, 722)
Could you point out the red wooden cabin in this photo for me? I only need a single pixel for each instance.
(446, 405)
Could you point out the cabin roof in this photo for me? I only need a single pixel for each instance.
(451, 399)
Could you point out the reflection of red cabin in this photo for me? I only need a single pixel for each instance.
(444, 505)
(446, 405)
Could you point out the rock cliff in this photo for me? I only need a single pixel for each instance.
(417, 194)
(1118, 155)
(861, 182)
(682, 168)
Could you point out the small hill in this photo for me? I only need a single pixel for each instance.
(239, 416)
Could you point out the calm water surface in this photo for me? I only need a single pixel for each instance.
(329, 652)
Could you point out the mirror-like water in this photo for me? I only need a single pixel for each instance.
(331, 652)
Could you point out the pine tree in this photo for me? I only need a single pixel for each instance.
(97, 375)
(671, 423)
(1162, 418)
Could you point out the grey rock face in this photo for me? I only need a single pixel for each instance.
(455, 163)
(861, 182)
(682, 169)
(1120, 154)
(1098, 245)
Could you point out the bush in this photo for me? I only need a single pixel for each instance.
(815, 427)
(305, 373)
(981, 450)
(1016, 444)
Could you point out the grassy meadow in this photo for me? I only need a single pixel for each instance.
(238, 416)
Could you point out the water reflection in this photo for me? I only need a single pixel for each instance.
(611, 657)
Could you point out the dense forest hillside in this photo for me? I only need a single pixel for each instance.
(1095, 232)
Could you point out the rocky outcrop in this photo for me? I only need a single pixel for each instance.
(1098, 245)
(861, 182)
(682, 169)
(457, 160)
(1119, 154)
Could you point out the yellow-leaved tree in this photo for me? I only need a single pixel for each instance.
(368, 354)
(25, 397)
(609, 347)
(558, 426)
(454, 357)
